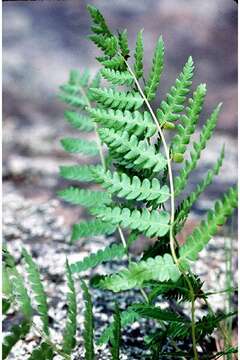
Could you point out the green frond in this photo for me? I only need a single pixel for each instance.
(82, 146)
(156, 313)
(189, 121)
(83, 173)
(156, 71)
(152, 223)
(138, 154)
(99, 21)
(84, 197)
(117, 77)
(116, 99)
(109, 45)
(16, 333)
(116, 340)
(42, 352)
(186, 205)
(133, 122)
(91, 228)
(69, 340)
(138, 55)
(116, 62)
(180, 181)
(123, 44)
(88, 324)
(72, 99)
(37, 289)
(171, 107)
(79, 121)
(161, 268)
(207, 228)
(128, 317)
(101, 256)
(132, 188)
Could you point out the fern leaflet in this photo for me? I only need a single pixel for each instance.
(91, 228)
(82, 146)
(138, 55)
(115, 349)
(88, 324)
(79, 121)
(117, 77)
(86, 198)
(83, 173)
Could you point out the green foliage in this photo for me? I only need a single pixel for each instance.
(123, 44)
(156, 71)
(117, 77)
(109, 253)
(69, 341)
(88, 324)
(155, 312)
(116, 340)
(86, 198)
(83, 173)
(17, 332)
(82, 146)
(91, 228)
(37, 289)
(43, 352)
(138, 55)
(79, 121)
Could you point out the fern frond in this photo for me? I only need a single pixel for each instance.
(138, 55)
(108, 45)
(99, 21)
(78, 121)
(117, 100)
(88, 324)
(37, 289)
(133, 122)
(82, 146)
(17, 332)
(101, 256)
(72, 99)
(207, 228)
(186, 205)
(132, 188)
(84, 197)
(69, 340)
(156, 313)
(152, 223)
(171, 107)
(159, 269)
(127, 318)
(189, 121)
(156, 71)
(117, 77)
(91, 228)
(207, 324)
(116, 340)
(116, 62)
(180, 181)
(83, 173)
(43, 352)
(123, 44)
(137, 153)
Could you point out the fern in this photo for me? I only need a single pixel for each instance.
(109, 253)
(138, 55)
(159, 269)
(189, 165)
(69, 341)
(79, 121)
(91, 228)
(116, 62)
(17, 332)
(83, 173)
(117, 77)
(88, 324)
(154, 312)
(37, 289)
(115, 349)
(156, 70)
(84, 147)
(86, 198)
(207, 228)
(137, 153)
(152, 223)
(123, 44)
(132, 188)
(99, 21)
(116, 99)
(173, 105)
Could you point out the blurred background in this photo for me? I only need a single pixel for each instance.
(43, 40)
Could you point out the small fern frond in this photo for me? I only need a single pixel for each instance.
(186, 205)
(101, 256)
(171, 107)
(207, 228)
(156, 71)
(116, 340)
(82, 173)
(116, 62)
(116, 99)
(16, 333)
(42, 352)
(117, 77)
(99, 21)
(108, 45)
(133, 122)
(152, 223)
(159, 269)
(84, 197)
(188, 122)
(78, 121)
(123, 44)
(91, 228)
(138, 55)
(180, 181)
(69, 340)
(88, 324)
(137, 153)
(82, 146)
(132, 188)
(37, 289)
(156, 313)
